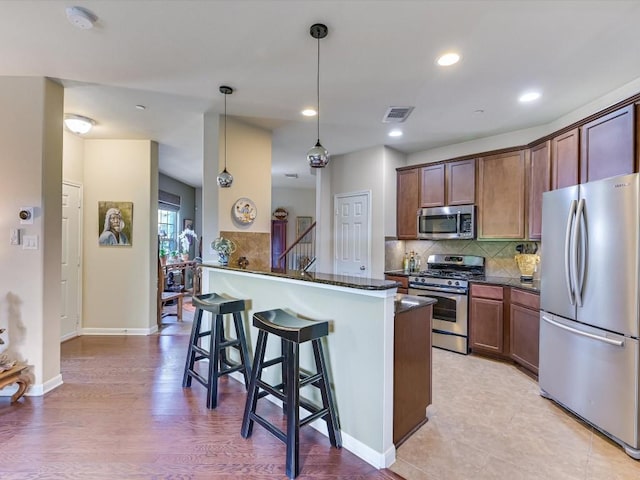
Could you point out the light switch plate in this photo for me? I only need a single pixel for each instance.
(30, 242)
(14, 236)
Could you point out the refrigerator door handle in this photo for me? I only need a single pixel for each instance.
(617, 343)
(579, 253)
(567, 251)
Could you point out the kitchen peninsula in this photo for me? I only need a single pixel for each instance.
(360, 353)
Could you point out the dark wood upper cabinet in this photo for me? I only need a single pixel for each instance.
(501, 195)
(461, 182)
(432, 186)
(407, 204)
(608, 145)
(539, 182)
(565, 156)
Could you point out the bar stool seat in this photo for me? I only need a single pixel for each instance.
(292, 331)
(215, 354)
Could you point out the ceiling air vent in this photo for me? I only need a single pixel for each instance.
(396, 114)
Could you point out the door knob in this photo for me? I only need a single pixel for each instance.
(362, 267)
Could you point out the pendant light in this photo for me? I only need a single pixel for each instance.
(318, 156)
(225, 179)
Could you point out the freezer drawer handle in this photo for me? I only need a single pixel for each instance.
(617, 343)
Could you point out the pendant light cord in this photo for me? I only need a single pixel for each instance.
(225, 132)
(318, 91)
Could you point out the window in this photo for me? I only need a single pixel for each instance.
(168, 229)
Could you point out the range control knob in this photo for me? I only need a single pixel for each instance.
(457, 283)
(449, 282)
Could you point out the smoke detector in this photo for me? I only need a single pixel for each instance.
(396, 114)
(81, 17)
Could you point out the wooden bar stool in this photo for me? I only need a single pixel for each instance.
(216, 353)
(292, 331)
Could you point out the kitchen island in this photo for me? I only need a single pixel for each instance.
(359, 347)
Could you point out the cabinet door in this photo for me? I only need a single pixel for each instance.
(432, 186)
(402, 280)
(607, 146)
(487, 325)
(565, 154)
(461, 182)
(539, 182)
(407, 204)
(501, 199)
(525, 332)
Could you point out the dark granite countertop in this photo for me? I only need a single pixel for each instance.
(361, 283)
(510, 282)
(405, 303)
(504, 281)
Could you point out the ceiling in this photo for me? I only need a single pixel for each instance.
(172, 56)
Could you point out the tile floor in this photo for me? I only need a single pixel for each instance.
(488, 421)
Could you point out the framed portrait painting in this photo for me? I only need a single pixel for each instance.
(115, 224)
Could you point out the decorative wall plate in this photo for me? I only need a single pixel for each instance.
(244, 211)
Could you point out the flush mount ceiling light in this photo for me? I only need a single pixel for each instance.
(529, 97)
(318, 156)
(78, 124)
(395, 133)
(81, 17)
(448, 59)
(309, 112)
(225, 179)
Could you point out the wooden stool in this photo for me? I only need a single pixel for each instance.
(216, 354)
(292, 331)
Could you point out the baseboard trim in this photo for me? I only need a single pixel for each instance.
(36, 390)
(120, 331)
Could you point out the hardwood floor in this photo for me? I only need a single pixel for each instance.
(123, 414)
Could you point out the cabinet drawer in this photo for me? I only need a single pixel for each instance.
(487, 291)
(404, 281)
(526, 299)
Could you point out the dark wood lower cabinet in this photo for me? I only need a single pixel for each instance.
(505, 323)
(525, 332)
(411, 371)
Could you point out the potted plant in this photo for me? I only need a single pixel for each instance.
(224, 247)
(186, 237)
(173, 256)
(162, 253)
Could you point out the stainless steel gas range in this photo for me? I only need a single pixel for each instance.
(447, 280)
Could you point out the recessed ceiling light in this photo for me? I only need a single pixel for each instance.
(309, 112)
(529, 97)
(447, 59)
(395, 133)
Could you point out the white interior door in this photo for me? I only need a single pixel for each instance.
(352, 234)
(71, 267)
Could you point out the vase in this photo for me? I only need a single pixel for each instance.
(223, 258)
(527, 264)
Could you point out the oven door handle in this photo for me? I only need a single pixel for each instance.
(426, 290)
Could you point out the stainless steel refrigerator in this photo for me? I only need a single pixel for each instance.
(589, 320)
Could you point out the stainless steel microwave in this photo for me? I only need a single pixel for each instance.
(446, 223)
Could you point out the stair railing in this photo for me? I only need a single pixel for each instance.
(301, 255)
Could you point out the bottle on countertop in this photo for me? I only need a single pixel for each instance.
(417, 262)
(405, 263)
(412, 262)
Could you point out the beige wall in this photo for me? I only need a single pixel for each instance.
(119, 282)
(73, 158)
(249, 161)
(31, 111)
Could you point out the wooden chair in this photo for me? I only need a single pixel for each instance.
(166, 297)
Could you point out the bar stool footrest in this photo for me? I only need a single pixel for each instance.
(275, 431)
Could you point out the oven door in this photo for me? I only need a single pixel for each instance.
(450, 323)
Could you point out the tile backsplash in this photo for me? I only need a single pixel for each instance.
(499, 256)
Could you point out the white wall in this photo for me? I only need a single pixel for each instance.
(119, 282)
(73, 158)
(392, 160)
(31, 112)
(299, 202)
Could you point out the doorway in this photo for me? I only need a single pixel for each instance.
(71, 275)
(352, 234)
